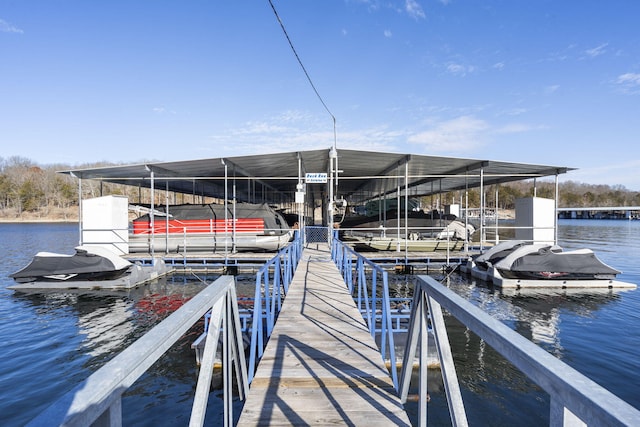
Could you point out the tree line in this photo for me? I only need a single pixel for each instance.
(26, 187)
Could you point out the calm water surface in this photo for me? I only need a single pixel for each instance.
(52, 341)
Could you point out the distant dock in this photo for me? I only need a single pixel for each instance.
(612, 212)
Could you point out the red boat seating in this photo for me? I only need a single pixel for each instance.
(242, 225)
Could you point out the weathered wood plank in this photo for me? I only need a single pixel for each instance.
(321, 366)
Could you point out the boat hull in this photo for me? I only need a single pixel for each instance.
(206, 242)
(423, 245)
(209, 228)
(519, 283)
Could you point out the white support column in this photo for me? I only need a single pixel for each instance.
(555, 216)
(482, 230)
(166, 216)
(333, 155)
(226, 210)
(151, 216)
(233, 202)
(406, 212)
(80, 240)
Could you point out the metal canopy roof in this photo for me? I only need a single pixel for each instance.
(362, 174)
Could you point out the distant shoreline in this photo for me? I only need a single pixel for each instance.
(37, 221)
(49, 215)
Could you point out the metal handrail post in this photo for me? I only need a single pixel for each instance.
(448, 369)
(206, 372)
(288, 271)
(226, 365)
(374, 300)
(276, 300)
(370, 312)
(413, 337)
(347, 271)
(424, 351)
(383, 323)
(361, 281)
(255, 352)
(267, 296)
(387, 330)
(417, 334)
(238, 346)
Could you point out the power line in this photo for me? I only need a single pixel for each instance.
(284, 30)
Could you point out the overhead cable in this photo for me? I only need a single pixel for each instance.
(284, 30)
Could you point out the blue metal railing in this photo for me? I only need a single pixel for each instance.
(272, 284)
(370, 296)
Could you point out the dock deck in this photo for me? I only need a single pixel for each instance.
(321, 366)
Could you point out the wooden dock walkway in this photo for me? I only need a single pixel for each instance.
(321, 365)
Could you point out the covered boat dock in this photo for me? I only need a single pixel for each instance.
(319, 187)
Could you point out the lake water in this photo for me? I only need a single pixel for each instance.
(50, 342)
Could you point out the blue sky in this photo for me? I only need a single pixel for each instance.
(536, 81)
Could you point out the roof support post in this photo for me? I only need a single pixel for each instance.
(151, 216)
(497, 237)
(406, 213)
(300, 188)
(166, 217)
(466, 212)
(482, 230)
(333, 155)
(226, 210)
(555, 212)
(80, 239)
(233, 216)
(397, 211)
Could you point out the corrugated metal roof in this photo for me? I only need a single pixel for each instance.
(362, 174)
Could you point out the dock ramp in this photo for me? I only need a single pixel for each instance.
(321, 366)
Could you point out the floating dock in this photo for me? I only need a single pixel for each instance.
(321, 366)
(139, 275)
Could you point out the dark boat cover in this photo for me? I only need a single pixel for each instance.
(456, 230)
(497, 252)
(551, 259)
(87, 261)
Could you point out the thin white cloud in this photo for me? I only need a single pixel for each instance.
(410, 7)
(414, 9)
(163, 110)
(549, 90)
(597, 51)
(629, 82)
(460, 70)
(515, 111)
(498, 65)
(457, 135)
(6, 27)
(297, 129)
(610, 174)
(516, 128)
(388, 34)
(629, 78)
